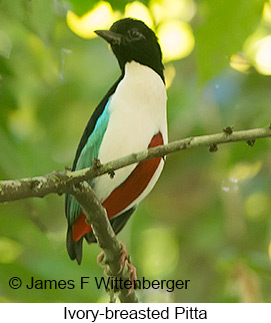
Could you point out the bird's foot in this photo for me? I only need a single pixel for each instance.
(124, 260)
(100, 259)
(96, 163)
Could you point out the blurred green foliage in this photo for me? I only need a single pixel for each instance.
(223, 27)
(208, 218)
(82, 6)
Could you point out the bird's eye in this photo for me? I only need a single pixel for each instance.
(134, 34)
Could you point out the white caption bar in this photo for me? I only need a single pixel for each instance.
(77, 312)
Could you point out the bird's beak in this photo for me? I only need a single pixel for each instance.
(109, 36)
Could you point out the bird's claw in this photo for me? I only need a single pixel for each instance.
(100, 258)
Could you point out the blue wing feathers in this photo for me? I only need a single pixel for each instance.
(87, 140)
(92, 146)
(88, 153)
(87, 150)
(93, 120)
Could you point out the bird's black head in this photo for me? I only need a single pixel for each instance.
(132, 40)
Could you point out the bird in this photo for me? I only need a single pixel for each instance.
(131, 117)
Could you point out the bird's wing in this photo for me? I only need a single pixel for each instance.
(86, 152)
(92, 123)
(88, 147)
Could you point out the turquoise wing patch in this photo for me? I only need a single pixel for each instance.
(88, 154)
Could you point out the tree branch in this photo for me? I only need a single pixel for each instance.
(106, 238)
(62, 181)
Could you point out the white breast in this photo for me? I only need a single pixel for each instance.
(137, 112)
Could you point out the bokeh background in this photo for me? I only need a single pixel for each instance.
(208, 218)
